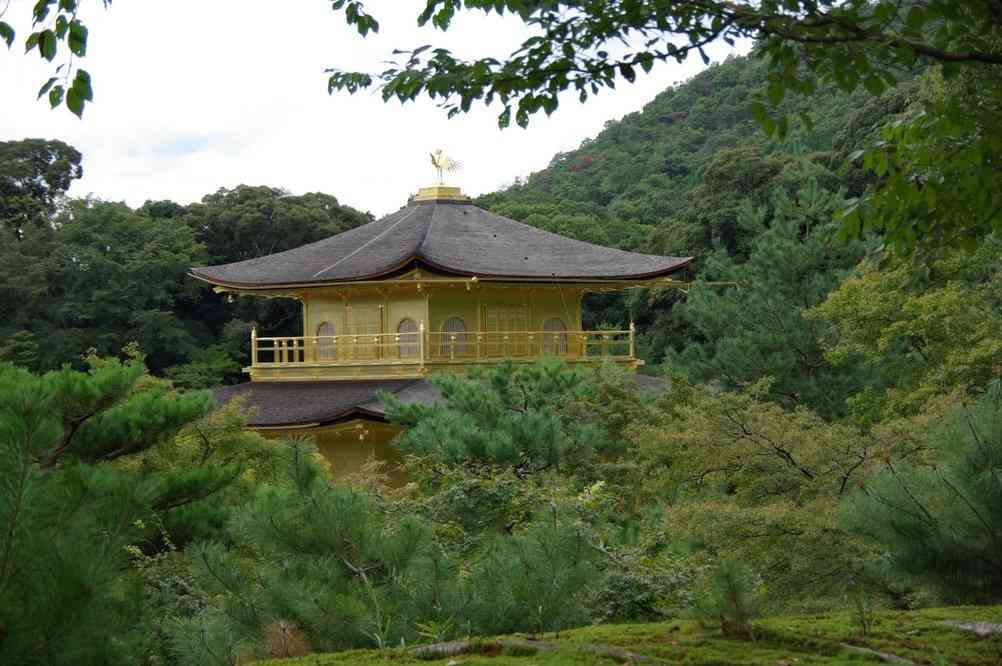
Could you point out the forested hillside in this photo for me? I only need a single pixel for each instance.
(692, 173)
(671, 172)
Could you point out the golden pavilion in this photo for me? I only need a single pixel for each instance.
(440, 285)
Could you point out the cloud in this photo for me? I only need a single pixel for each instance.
(193, 96)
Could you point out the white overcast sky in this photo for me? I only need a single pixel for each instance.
(194, 95)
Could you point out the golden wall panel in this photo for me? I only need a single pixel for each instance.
(348, 447)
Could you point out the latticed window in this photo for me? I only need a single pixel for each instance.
(453, 336)
(554, 336)
(325, 342)
(407, 334)
(507, 330)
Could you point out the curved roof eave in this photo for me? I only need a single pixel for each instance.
(684, 262)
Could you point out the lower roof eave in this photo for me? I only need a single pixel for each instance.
(351, 415)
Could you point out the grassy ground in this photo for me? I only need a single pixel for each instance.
(918, 636)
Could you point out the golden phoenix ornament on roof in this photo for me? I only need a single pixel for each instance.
(442, 163)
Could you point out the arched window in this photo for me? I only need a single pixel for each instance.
(325, 344)
(453, 337)
(554, 336)
(407, 336)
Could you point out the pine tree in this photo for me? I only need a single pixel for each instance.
(942, 522)
(516, 417)
(21, 349)
(330, 565)
(72, 509)
(336, 567)
(757, 327)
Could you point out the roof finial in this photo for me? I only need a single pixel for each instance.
(443, 162)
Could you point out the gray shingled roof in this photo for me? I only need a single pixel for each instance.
(454, 237)
(301, 403)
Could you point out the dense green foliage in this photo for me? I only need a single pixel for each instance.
(929, 328)
(341, 571)
(34, 174)
(757, 327)
(691, 175)
(942, 520)
(94, 275)
(520, 422)
(69, 509)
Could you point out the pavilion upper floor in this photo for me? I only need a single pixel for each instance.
(420, 323)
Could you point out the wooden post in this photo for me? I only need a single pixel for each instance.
(633, 339)
(421, 343)
(253, 345)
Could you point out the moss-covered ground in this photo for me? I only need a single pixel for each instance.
(917, 636)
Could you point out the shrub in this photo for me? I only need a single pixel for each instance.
(942, 522)
(732, 596)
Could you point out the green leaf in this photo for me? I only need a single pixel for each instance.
(41, 10)
(44, 89)
(56, 96)
(807, 120)
(47, 42)
(627, 71)
(6, 33)
(78, 38)
(74, 102)
(81, 84)
(761, 115)
(775, 91)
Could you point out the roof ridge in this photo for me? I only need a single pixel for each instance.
(419, 250)
(367, 243)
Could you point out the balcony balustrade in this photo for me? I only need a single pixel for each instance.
(392, 355)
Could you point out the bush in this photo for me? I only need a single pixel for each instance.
(732, 596)
(942, 522)
(534, 581)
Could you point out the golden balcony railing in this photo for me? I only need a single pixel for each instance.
(432, 348)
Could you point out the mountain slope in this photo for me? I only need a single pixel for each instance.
(649, 168)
